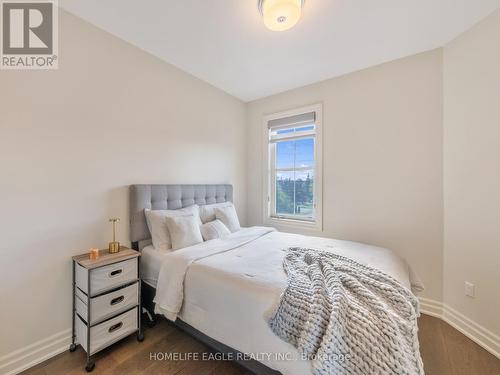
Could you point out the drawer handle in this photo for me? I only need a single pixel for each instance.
(117, 300)
(115, 327)
(115, 273)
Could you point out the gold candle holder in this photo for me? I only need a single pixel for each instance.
(114, 246)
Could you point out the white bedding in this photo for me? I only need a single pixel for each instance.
(151, 260)
(227, 287)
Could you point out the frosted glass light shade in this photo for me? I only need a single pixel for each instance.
(281, 15)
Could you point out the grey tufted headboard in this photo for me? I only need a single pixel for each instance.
(171, 197)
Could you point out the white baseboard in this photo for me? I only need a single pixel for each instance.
(42, 350)
(35, 353)
(477, 333)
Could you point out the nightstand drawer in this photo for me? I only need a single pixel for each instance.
(107, 305)
(106, 277)
(108, 332)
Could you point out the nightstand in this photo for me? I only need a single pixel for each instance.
(106, 300)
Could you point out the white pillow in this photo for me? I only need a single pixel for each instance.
(157, 225)
(214, 229)
(207, 212)
(184, 231)
(229, 217)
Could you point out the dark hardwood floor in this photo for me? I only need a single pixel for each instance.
(445, 351)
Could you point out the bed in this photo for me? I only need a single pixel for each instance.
(235, 285)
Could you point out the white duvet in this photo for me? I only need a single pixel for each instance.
(226, 288)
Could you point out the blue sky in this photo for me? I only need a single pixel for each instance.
(298, 154)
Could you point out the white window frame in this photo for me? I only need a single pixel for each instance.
(287, 223)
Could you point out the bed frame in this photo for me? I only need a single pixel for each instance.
(173, 197)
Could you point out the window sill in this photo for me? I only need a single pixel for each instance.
(292, 225)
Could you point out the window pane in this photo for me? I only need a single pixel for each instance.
(285, 154)
(285, 131)
(284, 193)
(295, 193)
(304, 194)
(305, 128)
(304, 153)
(295, 154)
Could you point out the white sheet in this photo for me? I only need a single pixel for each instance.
(230, 289)
(151, 260)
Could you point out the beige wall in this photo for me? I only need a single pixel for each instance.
(472, 172)
(72, 140)
(382, 158)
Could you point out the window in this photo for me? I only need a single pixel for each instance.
(293, 160)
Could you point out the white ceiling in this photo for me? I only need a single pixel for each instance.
(225, 43)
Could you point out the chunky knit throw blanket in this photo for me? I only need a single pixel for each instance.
(347, 318)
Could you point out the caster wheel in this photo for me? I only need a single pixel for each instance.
(90, 366)
(72, 348)
(140, 337)
(151, 323)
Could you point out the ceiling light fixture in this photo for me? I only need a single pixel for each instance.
(280, 15)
